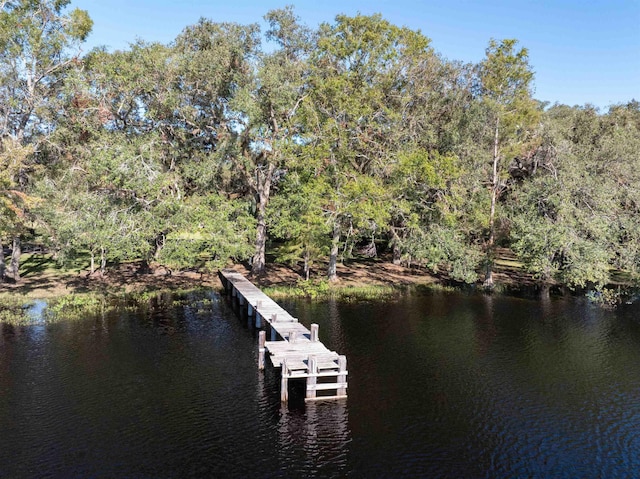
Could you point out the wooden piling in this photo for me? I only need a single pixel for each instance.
(284, 384)
(342, 378)
(314, 333)
(262, 339)
(312, 379)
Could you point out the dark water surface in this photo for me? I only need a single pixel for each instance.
(441, 385)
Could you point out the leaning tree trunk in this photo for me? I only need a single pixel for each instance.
(15, 258)
(332, 273)
(495, 184)
(3, 265)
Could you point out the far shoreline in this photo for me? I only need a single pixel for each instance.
(364, 274)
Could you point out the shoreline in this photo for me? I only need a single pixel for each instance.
(74, 293)
(282, 280)
(128, 278)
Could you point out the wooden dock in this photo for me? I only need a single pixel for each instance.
(292, 347)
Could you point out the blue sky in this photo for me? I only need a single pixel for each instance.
(582, 51)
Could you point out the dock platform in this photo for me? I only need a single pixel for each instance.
(292, 347)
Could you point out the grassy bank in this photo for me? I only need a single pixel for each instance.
(72, 292)
(322, 289)
(14, 309)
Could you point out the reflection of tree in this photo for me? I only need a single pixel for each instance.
(485, 327)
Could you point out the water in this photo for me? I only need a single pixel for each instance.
(440, 385)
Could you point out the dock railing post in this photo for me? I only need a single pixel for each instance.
(342, 378)
(262, 339)
(314, 333)
(293, 336)
(312, 367)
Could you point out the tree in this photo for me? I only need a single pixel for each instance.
(429, 207)
(267, 125)
(295, 217)
(574, 216)
(505, 79)
(351, 119)
(35, 38)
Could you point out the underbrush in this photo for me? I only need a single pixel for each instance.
(14, 309)
(322, 289)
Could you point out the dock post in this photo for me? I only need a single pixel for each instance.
(312, 366)
(284, 385)
(257, 312)
(342, 378)
(314, 333)
(262, 339)
(293, 336)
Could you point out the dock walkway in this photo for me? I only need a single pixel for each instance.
(292, 347)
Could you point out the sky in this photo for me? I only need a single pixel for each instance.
(582, 51)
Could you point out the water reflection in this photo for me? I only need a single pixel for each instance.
(317, 433)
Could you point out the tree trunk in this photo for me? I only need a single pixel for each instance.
(103, 262)
(263, 188)
(395, 245)
(159, 244)
(333, 256)
(306, 264)
(495, 184)
(259, 260)
(545, 291)
(3, 265)
(92, 268)
(15, 259)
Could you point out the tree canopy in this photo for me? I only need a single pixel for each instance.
(305, 145)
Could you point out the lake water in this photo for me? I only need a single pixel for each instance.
(445, 385)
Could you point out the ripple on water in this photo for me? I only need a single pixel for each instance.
(439, 386)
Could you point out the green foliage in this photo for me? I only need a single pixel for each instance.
(296, 217)
(445, 249)
(196, 152)
(74, 307)
(207, 232)
(322, 290)
(14, 309)
(605, 297)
